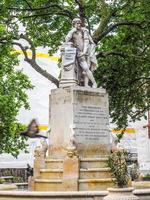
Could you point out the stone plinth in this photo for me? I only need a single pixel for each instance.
(79, 142)
(68, 77)
(79, 115)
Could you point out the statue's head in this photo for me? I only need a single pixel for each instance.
(77, 23)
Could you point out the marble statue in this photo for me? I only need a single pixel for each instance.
(81, 52)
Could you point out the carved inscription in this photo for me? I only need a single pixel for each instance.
(91, 124)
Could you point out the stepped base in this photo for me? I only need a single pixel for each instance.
(79, 142)
(73, 174)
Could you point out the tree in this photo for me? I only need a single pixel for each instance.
(13, 86)
(120, 28)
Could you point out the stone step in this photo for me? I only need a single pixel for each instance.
(84, 173)
(95, 173)
(54, 163)
(48, 185)
(84, 184)
(95, 184)
(93, 162)
(51, 173)
(84, 163)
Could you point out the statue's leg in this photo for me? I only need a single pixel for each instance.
(89, 74)
(86, 80)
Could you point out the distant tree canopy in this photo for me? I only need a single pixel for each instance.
(13, 86)
(120, 29)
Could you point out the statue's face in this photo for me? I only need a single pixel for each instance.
(78, 25)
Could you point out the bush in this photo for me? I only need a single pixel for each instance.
(146, 177)
(117, 162)
(2, 180)
(133, 171)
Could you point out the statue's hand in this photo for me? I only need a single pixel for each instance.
(81, 54)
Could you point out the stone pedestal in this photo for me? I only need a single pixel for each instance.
(79, 115)
(69, 69)
(79, 142)
(68, 77)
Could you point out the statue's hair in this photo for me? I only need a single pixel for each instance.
(75, 20)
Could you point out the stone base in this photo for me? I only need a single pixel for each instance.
(67, 83)
(79, 116)
(74, 174)
(79, 142)
(68, 77)
(88, 195)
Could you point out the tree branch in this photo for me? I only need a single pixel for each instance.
(43, 72)
(82, 15)
(121, 54)
(138, 113)
(106, 15)
(32, 61)
(28, 4)
(23, 50)
(104, 54)
(112, 27)
(63, 13)
(35, 9)
(103, 28)
(31, 45)
(3, 39)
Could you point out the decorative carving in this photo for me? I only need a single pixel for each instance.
(37, 152)
(44, 147)
(72, 147)
(40, 151)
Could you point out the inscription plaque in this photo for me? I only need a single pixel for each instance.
(91, 124)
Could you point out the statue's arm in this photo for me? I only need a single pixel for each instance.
(70, 35)
(86, 41)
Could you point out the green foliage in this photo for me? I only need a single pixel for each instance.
(121, 31)
(134, 171)
(13, 86)
(124, 64)
(117, 162)
(146, 177)
(2, 180)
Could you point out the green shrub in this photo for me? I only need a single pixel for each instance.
(2, 180)
(117, 162)
(146, 177)
(133, 171)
